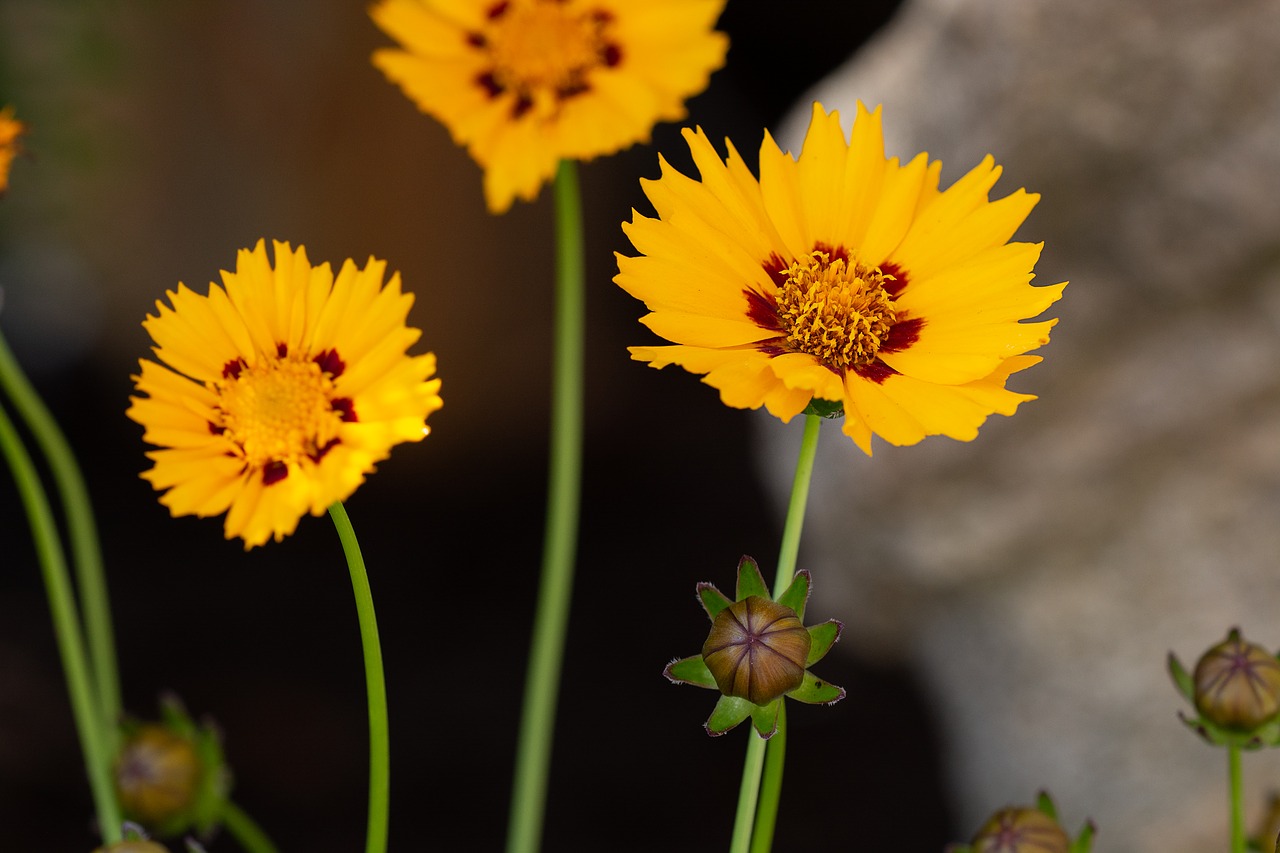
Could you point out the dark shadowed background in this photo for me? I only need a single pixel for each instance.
(164, 137)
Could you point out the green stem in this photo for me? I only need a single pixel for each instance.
(245, 830)
(551, 618)
(1236, 785)
(758, 838)
(375, 683)
(86, 554)
(66, 626)
(748, 794)
(795, 509)
(771, 786)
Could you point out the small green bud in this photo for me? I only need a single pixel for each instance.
(1021, 830)
(756, 650)
(1237, 685)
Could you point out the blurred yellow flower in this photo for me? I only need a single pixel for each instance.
(841, 276)
(525, 83)
(278, 393)
(11, 131)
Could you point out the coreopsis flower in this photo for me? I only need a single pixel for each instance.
(525, 83)
(278, 392)
(136, 841)
(1027, 829)
(843, 280)
(1236, 690)
(757, 652)
(11, 132)
(170, 776)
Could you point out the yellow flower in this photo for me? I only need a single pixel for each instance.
(525, 83)
(11, 130)
(841, 276)
(281, 391)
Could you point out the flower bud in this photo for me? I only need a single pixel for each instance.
(1237, 684)
(757, 650)
(134, 841)
(133, 845)
(157, 776)
(1021, 830)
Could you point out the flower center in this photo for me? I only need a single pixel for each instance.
(281, 410)
(840, 313)
(543, 51)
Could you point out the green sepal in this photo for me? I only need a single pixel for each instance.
(821, 639)
(765, 718)
(750, 581)
(1182, 679)
(829, 409)
(1044, 804)
(815, 691)
(797, 594)
(174, 716)
(713, 600)
(691, 670)
(1267, 734)
(130, 831)
(211, 797)
(1084, 841)
(728, 712)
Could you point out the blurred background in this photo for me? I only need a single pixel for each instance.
(164, 137)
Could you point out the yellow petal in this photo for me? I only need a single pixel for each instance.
(702, 331)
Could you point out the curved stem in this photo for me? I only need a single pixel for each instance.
(1236, 784)
(551, 619)
(66, 626)
(760, 839)
(86, 553)
(245, 830)
(375, 684)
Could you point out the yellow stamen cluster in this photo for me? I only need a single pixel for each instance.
(836, 312)
(543, 50)
(279, 410)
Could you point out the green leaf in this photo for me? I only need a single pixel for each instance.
(690, 670)
(1181, 679)
(821, 639)
(729, 711)
(797, 594)
(815, 691)
(750, 581)
(713, 600)
(765, 718)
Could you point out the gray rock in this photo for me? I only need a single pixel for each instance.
(1038, 576)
